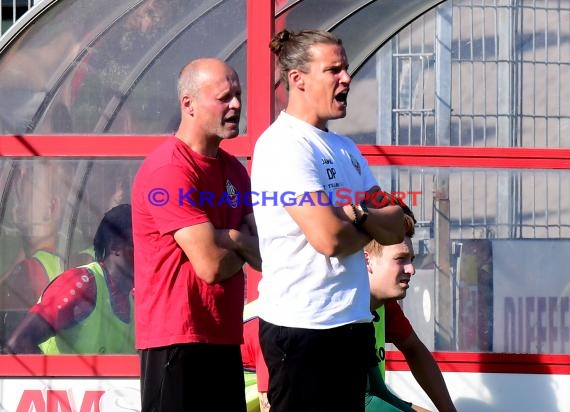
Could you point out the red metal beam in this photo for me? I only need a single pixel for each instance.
(424, 156)
(260, 101)
(69, 365)
(485, 362)
(96, 145)
(127, 366)
(260, 90)
(478, 157)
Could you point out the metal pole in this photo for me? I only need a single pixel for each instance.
(445, 336)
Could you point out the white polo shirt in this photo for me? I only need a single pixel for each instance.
(301, 287)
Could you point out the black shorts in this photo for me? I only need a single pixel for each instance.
(317, 370)
(192, 377)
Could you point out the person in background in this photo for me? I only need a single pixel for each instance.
(108, 185)
(193, 232)
(40, 189)
(314, 285)
(390, 269)
(88, 309)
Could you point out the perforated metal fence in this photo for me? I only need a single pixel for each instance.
(509, 66)
(482, 73)
(479, 73)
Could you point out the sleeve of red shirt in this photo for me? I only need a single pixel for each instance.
(182, 206)
(251, 354)
(68, 299)
(398, 327)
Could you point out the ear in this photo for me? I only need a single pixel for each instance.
(296, 79)
(187, 104)
(115, 249)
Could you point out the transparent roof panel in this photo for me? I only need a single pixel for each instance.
(325, 14)
(32, 69)
(363, 25)
(79, 66)
(152, 101)
(111, 66)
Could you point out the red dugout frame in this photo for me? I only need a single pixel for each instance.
(260, 25)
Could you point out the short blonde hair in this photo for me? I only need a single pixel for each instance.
(375, 248)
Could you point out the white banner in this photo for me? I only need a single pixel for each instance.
(531, 296)
(69, 395)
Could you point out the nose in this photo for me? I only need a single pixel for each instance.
(235, 103)
(410, 269)
(346, 79)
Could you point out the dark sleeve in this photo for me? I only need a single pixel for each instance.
(378, 388)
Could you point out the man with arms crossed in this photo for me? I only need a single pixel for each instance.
(390, 269)
(314, 289)
(192, 235)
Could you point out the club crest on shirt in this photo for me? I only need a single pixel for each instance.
(355, 164)
(231, 191)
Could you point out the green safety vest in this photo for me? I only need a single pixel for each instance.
(89, 251)
(101, 332)
(52, 264)
(380, 330)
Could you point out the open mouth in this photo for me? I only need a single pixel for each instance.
(404, 281)
(342, 96)
(232, 119)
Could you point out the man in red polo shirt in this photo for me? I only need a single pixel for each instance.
(193, 231)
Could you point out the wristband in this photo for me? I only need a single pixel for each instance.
(360, 214)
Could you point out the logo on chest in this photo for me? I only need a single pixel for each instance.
(231, 193)
(355, 164)
(328, 166)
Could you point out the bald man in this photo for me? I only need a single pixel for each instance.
(193, 231)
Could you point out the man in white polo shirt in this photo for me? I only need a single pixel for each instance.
(314, 292)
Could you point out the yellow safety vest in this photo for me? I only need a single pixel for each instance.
(380, 329)
(102, 332)
(52, 264)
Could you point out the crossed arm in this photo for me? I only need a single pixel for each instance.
(218, 254)
(329, 229)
